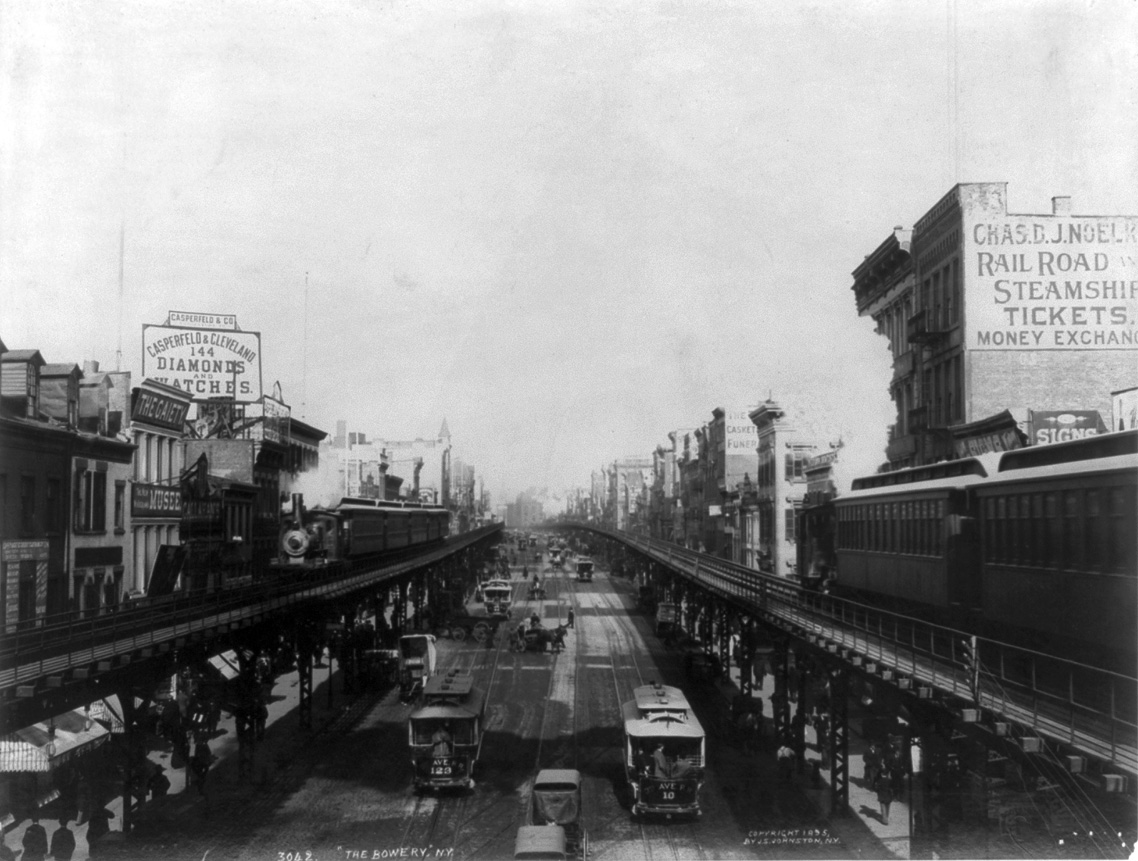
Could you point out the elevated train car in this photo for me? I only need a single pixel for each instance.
(357, 528)
(1037, 544)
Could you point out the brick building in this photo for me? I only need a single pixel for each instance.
(1007, 318)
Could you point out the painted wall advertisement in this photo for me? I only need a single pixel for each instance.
(741, 439)
(1051, 282)
(207, 363)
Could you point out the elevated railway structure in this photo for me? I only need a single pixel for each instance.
(73, 660)
(1066, 723)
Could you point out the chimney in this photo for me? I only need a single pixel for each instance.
(1061, 205)
(90, 366)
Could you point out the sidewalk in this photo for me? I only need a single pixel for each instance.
(862, 831)
(272, 756)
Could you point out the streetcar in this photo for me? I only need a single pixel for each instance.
(584, 570)
(664, 752)
(416, 662)
(498, 595)
(445, 732)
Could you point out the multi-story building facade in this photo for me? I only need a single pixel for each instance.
(785, 443)
(158, 414)
(65, 534)
(631, 479)
(883, 288)
(1016, 319)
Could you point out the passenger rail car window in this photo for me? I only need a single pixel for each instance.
(1088, 529)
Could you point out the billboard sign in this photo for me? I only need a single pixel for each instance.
(1050, 282)
(1124, 409)
(276, 421)
(1048, 426)
(207, 363)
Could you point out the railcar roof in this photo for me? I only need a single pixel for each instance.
(453, 683)
(660, 696)
(557, 775)
(661, 726)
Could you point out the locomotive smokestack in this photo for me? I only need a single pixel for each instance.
(298, 507)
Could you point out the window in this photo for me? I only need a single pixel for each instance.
(954, 316)
(1123, 547)
(1095, 532)
(28, 504)
(54, 502)
(91, 500)
(790, 536)
(120, 505)
(33, 392)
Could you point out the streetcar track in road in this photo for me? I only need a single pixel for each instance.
(464, 816)
(650, 832)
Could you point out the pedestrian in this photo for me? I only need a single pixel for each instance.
(62, 842)
(6, 853)
(569, 618)
(748, 724)
(872, 762)
(159, 783)
(98, 827)
(35, 841)
(884, 789)
(785, 757)
(200, 764)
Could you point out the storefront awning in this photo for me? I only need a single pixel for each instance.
(47, 744)
(226, 664)
(108, 712)
(21, 756)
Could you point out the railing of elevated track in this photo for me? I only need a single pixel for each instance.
(54, 643)
(1092, 709)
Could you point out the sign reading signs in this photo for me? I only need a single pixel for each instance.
(1048, 426)
(1051, 283)
(207, 363)
(155, 500)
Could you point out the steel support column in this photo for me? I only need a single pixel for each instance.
(780, 701)
(839, 741)
(132, 738)
(304, 647)
(798, 724)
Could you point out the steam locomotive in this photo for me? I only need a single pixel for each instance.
(355, 529)
(1037, 543)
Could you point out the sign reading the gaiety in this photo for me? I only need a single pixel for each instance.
(1051, 283)
(159, 410)
(207, 363)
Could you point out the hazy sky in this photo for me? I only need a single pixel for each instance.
(566, 227)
